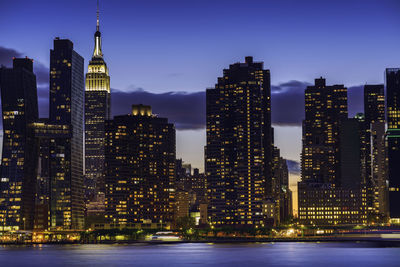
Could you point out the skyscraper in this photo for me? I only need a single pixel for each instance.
(42, 200)
(374, 103)
(393, 139)
(97, 111)
(379, 173)
(280, 195)
(140, 168)
(331, 190)
(66, 113)
(20, 151)
(325, 107)
(375, 148)
(351, 132)
(238, 152)
(50, 138)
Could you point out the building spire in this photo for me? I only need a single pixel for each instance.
(98, 21)
(97, 37)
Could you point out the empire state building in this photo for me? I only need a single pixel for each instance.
(97, 111)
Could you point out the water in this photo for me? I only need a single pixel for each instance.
(254, 254)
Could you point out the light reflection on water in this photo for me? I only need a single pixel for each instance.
(244, 254)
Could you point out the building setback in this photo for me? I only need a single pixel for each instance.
(238, 152)
(393, 139)
(140, 168)
(20, 151)
(66, 159)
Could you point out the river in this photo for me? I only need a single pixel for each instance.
(195, 254)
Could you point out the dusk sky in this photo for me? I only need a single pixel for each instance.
(166, 53)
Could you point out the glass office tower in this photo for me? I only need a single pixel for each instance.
(66, 112)
(20, 150)
(393, 139)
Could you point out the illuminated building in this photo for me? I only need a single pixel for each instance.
(270, 211)
(47, 135)
(66, 113)
(325, 107)
(182, 204)
(97, 111)
(285, 194)
(140, 168)
(374, 103)
(280, 197)
(239, 146)
(379, 170)
(332, 190)
(42, 200)
(393, 139)
(20, 151)
(96, 208)
(183, 174)
(376, 153)
(190, 192)
(198, 185)
(324, 204)
(195, 182)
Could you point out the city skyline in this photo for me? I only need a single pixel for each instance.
(212, 132)
(192, 64)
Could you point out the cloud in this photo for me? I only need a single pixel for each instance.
(6, 56)
(43, 100)
(41, 71)
(293, 166)
(287, 103)
(186, 110)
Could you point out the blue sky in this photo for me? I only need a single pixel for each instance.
(183, 46)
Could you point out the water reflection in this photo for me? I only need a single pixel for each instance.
(244, 254)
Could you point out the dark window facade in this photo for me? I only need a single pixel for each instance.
(20, 149)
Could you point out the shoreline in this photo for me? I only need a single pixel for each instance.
(378, 241)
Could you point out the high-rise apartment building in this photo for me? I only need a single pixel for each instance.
(20, 150)
(374, 103)
(140, 168)
(332, 189)
(66, 114)
(325, 107)
(393, 139)
(238, 152)
(97, 111)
